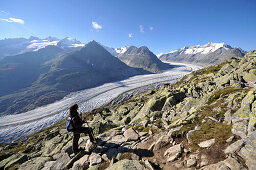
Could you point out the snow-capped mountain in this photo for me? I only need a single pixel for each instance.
(116, 51)
(14, 46)
(209, 53)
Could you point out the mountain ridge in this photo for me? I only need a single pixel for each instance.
(143, 58)
(50, 80)
(210, 53)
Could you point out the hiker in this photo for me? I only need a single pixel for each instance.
(77, 128)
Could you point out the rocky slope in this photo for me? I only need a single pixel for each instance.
(210, 53)
(143, 58)
(207, 120)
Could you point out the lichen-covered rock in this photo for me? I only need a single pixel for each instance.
(234, 147)
(12, 160)
(126, 164)
(53, 146)
(61, 162)
(35, 163)
(249, 156)
(240, 128)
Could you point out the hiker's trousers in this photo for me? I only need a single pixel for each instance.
(76, 136)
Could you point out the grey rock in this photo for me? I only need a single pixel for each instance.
(204, 160)
(234, 147)
(249, 157)
(240, 128)
(220, 166)
(173, 152)
(95, 159)
(207, 144)
(126, 164)
(232, 163)
(131, 135)
(174, 130)
(82, 163)
(35, 163)
(119, 139)
(162, 142)
(191, 162)
(230, 139)
(12, 160)
(48, 165)
(61, 162)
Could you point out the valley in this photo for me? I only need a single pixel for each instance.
(14, 127)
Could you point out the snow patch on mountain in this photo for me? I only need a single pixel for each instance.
(205, 49)
(198, 49)
(122, 49)
(116, 51)
(35, 43)
(38, 44)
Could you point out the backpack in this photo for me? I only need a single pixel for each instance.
(69, 125)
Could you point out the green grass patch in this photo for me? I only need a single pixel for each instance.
(208, 70)
(210, 130)
(223, 92)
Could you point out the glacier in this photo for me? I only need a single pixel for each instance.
(18, 126)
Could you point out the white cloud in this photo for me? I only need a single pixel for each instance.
(96, 26)
(130, 35)
(2, 11)
(151, 28)
(141, 29)
(14, 20)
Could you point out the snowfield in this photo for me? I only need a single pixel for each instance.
(15, 127)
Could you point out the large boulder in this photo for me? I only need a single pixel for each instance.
(131, 135)
(82, 163)
(207, 143)
(12, 160)
(173, 152)
(234, 147)
(61, 161)
(53, 146)
(35, 163)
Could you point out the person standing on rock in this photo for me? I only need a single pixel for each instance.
(77, 123)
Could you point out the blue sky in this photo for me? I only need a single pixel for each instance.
(162, 25)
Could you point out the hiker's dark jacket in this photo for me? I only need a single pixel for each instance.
(77, 121)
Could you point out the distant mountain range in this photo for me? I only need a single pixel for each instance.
(209, 53)
(35, 72)
(14, 46)
(41, 77)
